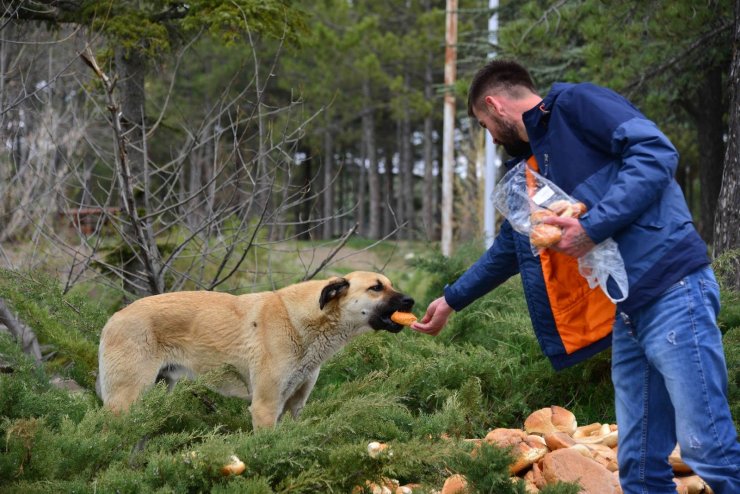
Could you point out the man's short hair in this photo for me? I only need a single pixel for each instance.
(505, 76)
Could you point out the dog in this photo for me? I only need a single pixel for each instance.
(274, 341)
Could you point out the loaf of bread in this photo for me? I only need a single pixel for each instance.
(403, 318)
(234, 467)
(567, 209)
(538, 216)
(544, 235)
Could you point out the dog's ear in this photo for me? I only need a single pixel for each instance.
(335, 288)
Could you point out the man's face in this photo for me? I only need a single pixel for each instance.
(503, 130)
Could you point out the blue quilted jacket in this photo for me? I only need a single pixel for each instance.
(598, 148)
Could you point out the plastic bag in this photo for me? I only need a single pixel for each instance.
(525, 198)
(602, 263)
(524, 195)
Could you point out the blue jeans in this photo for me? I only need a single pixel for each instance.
(670, 382)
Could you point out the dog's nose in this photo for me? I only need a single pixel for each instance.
(407, 302)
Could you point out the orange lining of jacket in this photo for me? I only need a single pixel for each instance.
(582, 315)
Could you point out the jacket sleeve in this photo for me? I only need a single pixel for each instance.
(647, 160)
(495, 266)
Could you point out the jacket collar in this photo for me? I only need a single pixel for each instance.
(536, 118)
(540, 114)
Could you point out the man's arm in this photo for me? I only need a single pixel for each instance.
(494, 267)
(648, 160)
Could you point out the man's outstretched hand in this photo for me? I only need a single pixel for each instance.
(435, 318)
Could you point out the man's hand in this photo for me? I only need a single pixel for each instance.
(435, 318)
(574, 241)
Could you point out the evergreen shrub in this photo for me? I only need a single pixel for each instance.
(421, 395)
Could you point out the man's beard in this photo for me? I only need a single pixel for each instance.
(512, 143)
(518, 149)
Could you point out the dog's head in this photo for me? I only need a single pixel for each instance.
(368, 299)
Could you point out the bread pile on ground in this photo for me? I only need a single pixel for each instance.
(553, 448)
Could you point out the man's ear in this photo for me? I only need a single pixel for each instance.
(335, 288)
(493, 104)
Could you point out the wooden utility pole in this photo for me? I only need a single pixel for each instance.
(492, 159)
(448, 141)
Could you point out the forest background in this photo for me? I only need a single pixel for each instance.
(152, 146)
(210, 126)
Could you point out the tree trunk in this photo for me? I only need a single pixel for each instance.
(328, 226)
(407, 171)
(727, 219)
(361, 196)
(194, 172)
(132, 67)
(343, 222)
(389, 219)
(303, 208)
(427, 195)
(373, 182)
(141, 278)
(707, 115)
(398, 198)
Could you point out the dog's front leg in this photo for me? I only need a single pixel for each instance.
(297, 400)
(267, 402)
(263, 415)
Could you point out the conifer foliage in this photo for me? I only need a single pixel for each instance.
(420, 395)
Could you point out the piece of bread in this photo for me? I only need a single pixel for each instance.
(559, 207)
(567, 209)
(455, 484)
(403, 318)
(549, 420)
(578, 209)
(375, 448)
(544, 235)
(234, 467)
(538, 216)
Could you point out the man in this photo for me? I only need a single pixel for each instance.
(668, 365)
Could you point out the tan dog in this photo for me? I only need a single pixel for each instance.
(276, 341)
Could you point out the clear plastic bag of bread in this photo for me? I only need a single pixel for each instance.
(526, 198)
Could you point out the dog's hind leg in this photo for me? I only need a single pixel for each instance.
(123, 390)
(125, 371)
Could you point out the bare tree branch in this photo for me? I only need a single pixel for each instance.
(22, 333)
(340, 245)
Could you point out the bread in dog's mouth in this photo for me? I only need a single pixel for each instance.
(383, 321)
(390, 325)
(404, 318)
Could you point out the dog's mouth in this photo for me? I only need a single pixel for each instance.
(381, 320)
(389, 325)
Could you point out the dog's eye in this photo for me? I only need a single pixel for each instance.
(377, 288)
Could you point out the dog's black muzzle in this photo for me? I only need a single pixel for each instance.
(381, 319)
